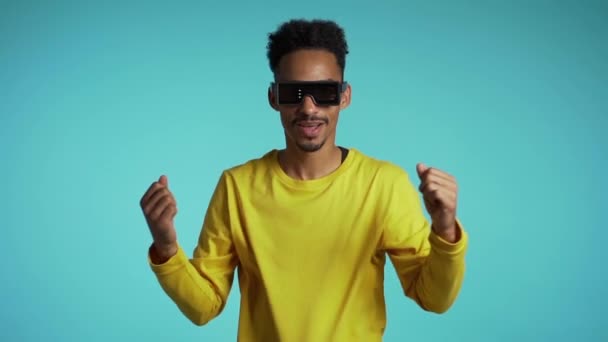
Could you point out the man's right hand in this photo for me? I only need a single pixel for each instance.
(159, 207)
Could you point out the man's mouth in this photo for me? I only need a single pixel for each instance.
(309, 129)
(310, 123)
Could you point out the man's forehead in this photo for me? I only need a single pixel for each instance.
(308, 72)
(321, 63)
(306, 80)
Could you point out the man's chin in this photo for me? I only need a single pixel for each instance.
(310, 146)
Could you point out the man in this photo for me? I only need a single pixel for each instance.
(309, 226)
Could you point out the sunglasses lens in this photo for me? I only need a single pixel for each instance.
(289, 93)
(324, 93)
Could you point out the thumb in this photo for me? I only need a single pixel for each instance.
(164, 180)
(421, 169)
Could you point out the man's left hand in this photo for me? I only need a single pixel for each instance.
(440, 193)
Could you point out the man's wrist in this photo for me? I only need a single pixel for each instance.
(160, 254)
(451, 235)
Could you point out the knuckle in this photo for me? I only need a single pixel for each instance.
(147, 210)
(159, 196)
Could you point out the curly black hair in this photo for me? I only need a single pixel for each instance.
(299, 34)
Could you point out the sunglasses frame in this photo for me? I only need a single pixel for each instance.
(342, 86)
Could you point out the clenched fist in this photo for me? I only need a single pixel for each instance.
(440, 193)
(159, 207)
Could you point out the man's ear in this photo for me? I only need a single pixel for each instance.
(272, 100)
(345, 97)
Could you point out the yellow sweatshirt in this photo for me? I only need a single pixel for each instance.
(310, 254)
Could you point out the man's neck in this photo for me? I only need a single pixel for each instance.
(302, 165)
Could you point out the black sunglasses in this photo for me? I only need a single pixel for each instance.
(324, 93)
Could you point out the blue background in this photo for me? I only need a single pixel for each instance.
(97, 100)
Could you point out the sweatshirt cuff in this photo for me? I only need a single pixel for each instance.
(175, 263)
(448, 248)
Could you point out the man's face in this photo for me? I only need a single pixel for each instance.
(309, 126)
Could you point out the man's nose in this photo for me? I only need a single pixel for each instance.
(308, 105)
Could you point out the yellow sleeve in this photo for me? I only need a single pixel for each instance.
(200, 286)
(431, 270)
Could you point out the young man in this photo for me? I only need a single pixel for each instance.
(309, 226)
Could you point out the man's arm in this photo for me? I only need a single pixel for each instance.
(430, 268)
(200, 286)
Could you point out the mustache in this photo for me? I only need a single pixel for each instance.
(304, 118)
